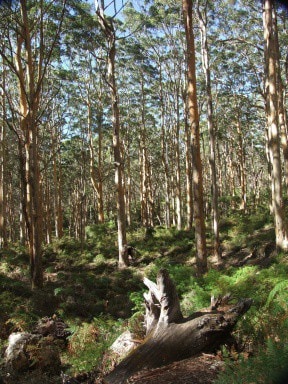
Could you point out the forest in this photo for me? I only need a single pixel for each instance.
(143, 141)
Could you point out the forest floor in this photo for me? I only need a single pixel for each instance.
(82, 288)
(204, 369)
(198, 370)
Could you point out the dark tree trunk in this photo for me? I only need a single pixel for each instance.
(170, 337)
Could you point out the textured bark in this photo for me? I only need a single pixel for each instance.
(170, 337)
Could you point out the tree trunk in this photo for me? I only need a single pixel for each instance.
(100, 195)
(272, 112)
(170, 337)
(241, 162)
(57, 180)
(28, 61)
(108, 29)
(3, 231)
(143, 161)
(29, 104)
(128, 185)
(94, 175)
(198, 206)
(281, 105)
(177, 164)
(188, 168)
(164, 150)
(211, 128)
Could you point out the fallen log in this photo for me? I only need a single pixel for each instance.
(170, 337)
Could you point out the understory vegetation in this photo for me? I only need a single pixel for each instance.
(98, 301)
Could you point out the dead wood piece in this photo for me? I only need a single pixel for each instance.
(162, 302)
(52, 326)
(26, 351)
(152, 311)
(173, 338)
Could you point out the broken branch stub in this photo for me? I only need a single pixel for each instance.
(162, 302)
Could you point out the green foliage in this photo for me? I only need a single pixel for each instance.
(268, 366)
(245, 229)
(89, 292)
(97, 231)
(279, 295)
(137, 299)
(89, 341)
(195, 299)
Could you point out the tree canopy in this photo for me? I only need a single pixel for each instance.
(58, 75)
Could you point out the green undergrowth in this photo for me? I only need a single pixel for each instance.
(268, 366)
(98, 301)
(89, 342)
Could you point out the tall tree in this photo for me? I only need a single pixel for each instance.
(272, 112)
(193, 115)
(202, 16)
(107, 25)
(281, 105)
(3, 232)
(29, 63)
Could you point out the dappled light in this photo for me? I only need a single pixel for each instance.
(143, 192)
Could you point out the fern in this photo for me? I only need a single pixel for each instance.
(268, 367)
(280, 290)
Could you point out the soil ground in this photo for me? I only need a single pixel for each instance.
(198, 370)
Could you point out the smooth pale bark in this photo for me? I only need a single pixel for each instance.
(211, 128)
(57, 179)
(164, 155)
(100, 194)
(281, 105)
(3, 232)
(178, 199)
(29, 105)
(95, 173)
(188, 175)
(193, 116)
(128, 186)
(147, 198)
(188, 168)
(108, 29)
(272, 112)
(143, 161)
(95, 168)
(242, 163)
(28, 60)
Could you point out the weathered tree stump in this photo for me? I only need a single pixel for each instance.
(37, 350)
(170, 337)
